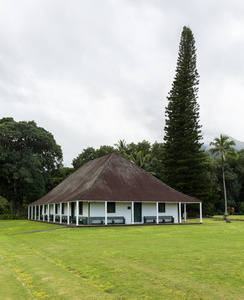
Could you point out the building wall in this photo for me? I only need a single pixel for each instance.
(171, 209)
(97, 209)
(122, 209)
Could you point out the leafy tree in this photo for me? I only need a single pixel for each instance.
(184, 161)
(89, 154)
(27, 153)
(157, 157)
(103, 150)
(56, 176)
(223, 148)
(85, 156)
(144, 146)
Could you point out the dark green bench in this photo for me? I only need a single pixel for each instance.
(116, 220)
(161, 219)
(167, 219)
(150, 219)
(110, 220)
(57, 218)
(81, 220)
(97, 220)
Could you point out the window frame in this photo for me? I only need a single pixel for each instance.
(161, 207)
(111, 207)
(80, 208)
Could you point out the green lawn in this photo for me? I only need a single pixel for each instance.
(132, 262)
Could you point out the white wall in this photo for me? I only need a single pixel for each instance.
(97, 209)
(171, 209)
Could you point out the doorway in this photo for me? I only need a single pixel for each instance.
(137, 212)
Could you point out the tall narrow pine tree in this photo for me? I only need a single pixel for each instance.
(184, 160)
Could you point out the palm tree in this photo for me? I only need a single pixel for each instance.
(122, 148)
(223, 147)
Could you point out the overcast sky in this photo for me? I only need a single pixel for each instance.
(93, 72)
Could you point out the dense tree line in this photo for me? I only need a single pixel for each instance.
(36, 178)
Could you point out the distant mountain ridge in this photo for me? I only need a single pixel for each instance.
(239, 145)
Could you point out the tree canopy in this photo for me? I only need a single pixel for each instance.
(27, 154)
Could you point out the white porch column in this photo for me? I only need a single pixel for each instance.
(77, 213)
(54, 207)
(35, 212)
(28, 212)
(180, 212)
(201, 212)
(39, 213)
(132, 212)
(31, 212)
(48, 211)
(68, 214)
(60, 213)
(184, 212)
(106, 212)
(157, 211)
(43, 211)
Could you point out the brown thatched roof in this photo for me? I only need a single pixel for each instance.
(112, 178)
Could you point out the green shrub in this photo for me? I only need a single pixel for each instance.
(241, 207)
(4, 206)
(11, 217)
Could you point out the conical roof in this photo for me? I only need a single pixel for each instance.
(112, 178)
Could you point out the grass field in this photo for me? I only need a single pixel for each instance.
(132, 262)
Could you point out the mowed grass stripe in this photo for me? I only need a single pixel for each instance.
(42, 278)
(152, 262)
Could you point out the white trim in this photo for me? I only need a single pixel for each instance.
(180, 212)
(60, 213)
(29, 212)
(43, 210)
(184, 212)
(106, 212)
(157, 212)
(39, 213)
(132, 212)
(54, 207)
(35, 212)
(68, 213)
(48, 212)
(77, 213)
(201, 212)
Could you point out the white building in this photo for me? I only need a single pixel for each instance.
(111, 190)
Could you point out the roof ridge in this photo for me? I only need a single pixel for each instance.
(110, 155)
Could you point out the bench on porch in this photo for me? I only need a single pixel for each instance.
(110, 220)
(97, 220)
(161, 219)
(81, 220)
(116, 220)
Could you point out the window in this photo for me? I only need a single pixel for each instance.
(56, 209)
(62, 208)
(45, 209)
(161, 207)
(80, 208)
(111, 207)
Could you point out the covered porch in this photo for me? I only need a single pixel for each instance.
(81, 213)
